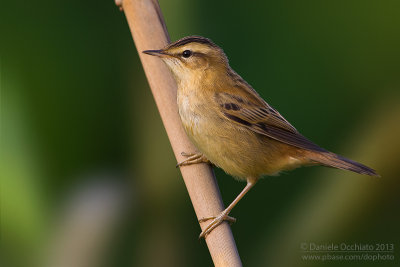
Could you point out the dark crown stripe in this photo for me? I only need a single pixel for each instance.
(193, 39)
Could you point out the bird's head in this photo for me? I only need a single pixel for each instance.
(190, 56)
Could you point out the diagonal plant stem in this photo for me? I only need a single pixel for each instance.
(149, 32)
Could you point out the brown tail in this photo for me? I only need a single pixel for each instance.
(330, 159)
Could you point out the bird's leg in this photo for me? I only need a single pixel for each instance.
(223, 216)
(192, 158)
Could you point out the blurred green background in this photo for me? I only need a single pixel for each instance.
(88, 177)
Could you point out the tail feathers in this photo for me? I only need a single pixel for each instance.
(336, 161)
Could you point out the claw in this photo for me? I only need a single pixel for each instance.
(216, 222)
(192, 159)
(184, 154)
(229, 219)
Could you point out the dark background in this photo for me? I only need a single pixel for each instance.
(88, 177)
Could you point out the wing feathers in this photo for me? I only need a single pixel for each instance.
(262, 119)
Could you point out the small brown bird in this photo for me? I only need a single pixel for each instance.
(231, 125)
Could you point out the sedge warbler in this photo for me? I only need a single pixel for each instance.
(231, 125)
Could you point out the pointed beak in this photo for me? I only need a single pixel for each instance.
(158, 53)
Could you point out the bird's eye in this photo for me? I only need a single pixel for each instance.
(186, 53)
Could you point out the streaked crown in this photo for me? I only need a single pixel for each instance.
(190, 54)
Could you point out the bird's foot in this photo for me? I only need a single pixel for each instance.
(192, 158)
(223, 216)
